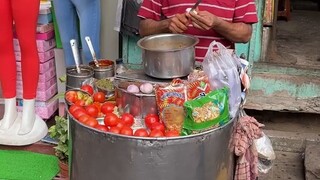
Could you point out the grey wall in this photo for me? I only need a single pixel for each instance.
(109, 37)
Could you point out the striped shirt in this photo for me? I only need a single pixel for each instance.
(229, 10)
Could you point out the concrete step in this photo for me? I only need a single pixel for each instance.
(312, 161)
(288, 165)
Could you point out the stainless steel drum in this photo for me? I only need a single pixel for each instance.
(168, 56)
(97, 155)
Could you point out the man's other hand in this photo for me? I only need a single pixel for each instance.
(179, 23)
(203, 20)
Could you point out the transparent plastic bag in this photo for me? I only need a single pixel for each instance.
(221, 67)
(266, 155)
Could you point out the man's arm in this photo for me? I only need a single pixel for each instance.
(177, 24)
(149, 26)
(235, 32)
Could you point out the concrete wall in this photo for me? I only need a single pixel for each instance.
(109, 37)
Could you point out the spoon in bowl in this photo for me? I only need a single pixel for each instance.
(88, 40)
(75, 53)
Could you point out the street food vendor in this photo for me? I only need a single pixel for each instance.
(226, 21)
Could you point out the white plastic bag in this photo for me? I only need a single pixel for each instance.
(221, 66)
(266, 155)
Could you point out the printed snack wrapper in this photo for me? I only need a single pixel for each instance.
(170, 99)
(206, 112)
(197, 85)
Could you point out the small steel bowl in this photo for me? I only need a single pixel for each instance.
(76, 90)
(108, 92)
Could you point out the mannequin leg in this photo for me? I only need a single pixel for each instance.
(90, 21)
(7, 65)
(67, 22)
(26, 23)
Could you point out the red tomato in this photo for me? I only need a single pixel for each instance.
(102, 128)
(74, 107)
(87, 88)
(71, 96)
(98, 105)
(158, 126)
(111, 119)
(92, 122)
(150, 119)
(128, 119)
(107, 107)
(141, 133)
(172, 133)
(156, 133)
(92, 110)
(79, 112)
(121, 124)
(80, 102)
(99, 97)
(84, 118)
(126, 131)
(115, 130)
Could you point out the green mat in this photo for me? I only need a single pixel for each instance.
(24, 165)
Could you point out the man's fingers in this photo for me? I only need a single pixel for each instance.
(197, 26)
(180, 24)
(201, 24)
(175, 29)
(183, 19)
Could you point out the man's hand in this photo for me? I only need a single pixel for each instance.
(179, 23)
(203, 20)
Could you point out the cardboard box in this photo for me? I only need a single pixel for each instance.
(44, 18)
(44, 10)
(43, 28)
(42, 95)
(43, 56)
(42, 86)
(45, 111)
(42, 77)
(42, 45)
(44, 67)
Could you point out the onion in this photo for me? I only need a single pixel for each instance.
(189, 9)
(133, 88)
(146, 88)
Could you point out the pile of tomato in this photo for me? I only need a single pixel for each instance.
(99, 108)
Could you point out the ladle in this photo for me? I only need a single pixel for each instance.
(75, 53)
(88, 40)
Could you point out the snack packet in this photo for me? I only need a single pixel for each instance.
(197, 85)
(170, 100)
(208, 111)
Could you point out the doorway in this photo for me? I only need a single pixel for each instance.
(297, 40)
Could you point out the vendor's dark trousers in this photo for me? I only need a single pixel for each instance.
(89, 14)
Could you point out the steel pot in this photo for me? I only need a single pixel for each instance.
(168, 56)
(105, 69)
(139, 105)
(75, 79)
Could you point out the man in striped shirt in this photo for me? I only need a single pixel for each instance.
(226, 21)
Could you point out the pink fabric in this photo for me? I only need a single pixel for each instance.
(247, 129)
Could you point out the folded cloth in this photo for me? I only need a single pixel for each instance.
(246, 130)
